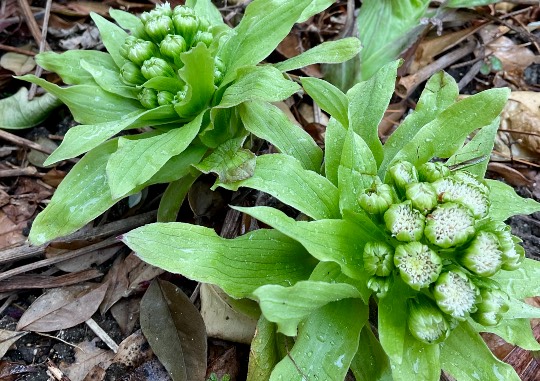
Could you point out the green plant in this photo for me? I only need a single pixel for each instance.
(197, 82)
(426, 242)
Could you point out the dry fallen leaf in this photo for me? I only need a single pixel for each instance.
(7, 338)
(18, 63)
(87, 355)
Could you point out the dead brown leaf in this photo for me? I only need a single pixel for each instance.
(18, 63)
(126, 314)
(87, 355)
(117, 279)
(7, 338)
(11, 371)
(10, 232)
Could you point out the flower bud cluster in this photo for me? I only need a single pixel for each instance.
(155, 51)
(442, 244)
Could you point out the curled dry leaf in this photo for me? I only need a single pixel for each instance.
(18, 63)
(512, 56)
(7, 338)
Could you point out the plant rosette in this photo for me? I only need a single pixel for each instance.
(422, 239)
(197, 82)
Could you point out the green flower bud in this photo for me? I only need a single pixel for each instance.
(141, 51)
(495, 303)
(131, 74)
(126, 46)
(467, 177)
(180, 96)
(148, 98)
(159, 10)
(186, 26)
(172, 46)
(204, 24)
(219, 71)
(430, 172)
(165, 98)
(449, 225)
(455, 294)
(418, 265)
(483, 256)
(380, 285)
(183, 10)
(467, 194)
(377, 199)
(403, 173)
(205, 37)
(157, 67)
(159, 27)
(378, 258)
(422, 195)
(512, 253)
(404, 222)
(426, 321)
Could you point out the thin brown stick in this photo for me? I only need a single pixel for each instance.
(42, 46)
(27, 282)
(9, 48)
(31, 21)
(28, 171)
(22, 142)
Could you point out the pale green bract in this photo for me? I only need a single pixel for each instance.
(198, 84)
(327, 310)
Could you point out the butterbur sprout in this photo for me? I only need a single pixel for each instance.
(378, 258)
(455, 294)
(404, 222)
(148, 98)
(131, 74)
(158, 27)
(377, 199)
(465, 193)
(483, 256)
(449, 225)
(430, 172)
(512, 254)
(156, 67)
(403, 173)
(418, 265)
(422, 195)
(494, 304)
(379, 285)
(426, 322)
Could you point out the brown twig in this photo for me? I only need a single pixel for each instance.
(30, 21)
(28, 171)
(22, 142)
(42, 45)
(9, 48)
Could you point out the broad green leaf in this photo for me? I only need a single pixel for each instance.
(328, 97)
(172, 85)
(327, 52)
(82, 196)
(206, 9)
(367, 103)
(333, 141)
(230, 162)
(89, 104)
(17, 112)
(304, 190)
(173, 197)
(467, 358)
(519, 310)
(175, 331)
(467, 3)
(269, 123)
(225, 124)
(444, 135)
(506, 203)
(514, 331)
(357, 171)
(330, 272)
(127, 21)
(67, 65)
(264, 352)
(343, 75)
(316, 6)
(440, 92)
(370, 362)
(238, 266)
(518, 282)
(326, 240)
(113, 37)
(179, 166)
(326, 344)
(109, 80)
(287, 306)
(137, 160)
(83, 138)
(264, 25)
(420, 361)
(263, 83)
(198, 74)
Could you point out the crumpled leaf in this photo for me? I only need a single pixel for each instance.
(18, 63)
(17, 112)
(175, 330)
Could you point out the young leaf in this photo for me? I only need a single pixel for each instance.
(328, 97)
(316, 6)
(113, 37)
(514, 331)
(17, 112)
(518, 282)
(264, 353)
(506, 203)
(327, 52)
(127, 20)
(82, 196)
(178, 166)
(477, 362)
(519, 310)
(137, 160)
(175, 331)
(109, 80)
(420, 361)
(206, 9)
(304, 190)
(367, 103)
(269, 123)
(287, 306)
(238, 266)
(263, 83)
(327, 341)
(370, 362)
(173, 197)
(333, 142)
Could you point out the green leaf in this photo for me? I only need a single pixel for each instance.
(370, 362)
(137, 160)
(519, 310)
(330, 272)
(173, 197)
(67, 65)
(443, 136)
(356, 172)
(420, 361)
(172, 85)
(206, 9)
(304, 190)
(367, 103)
(83, 138)
(127, 21)
(328, 97)
(518, 283)
(225, 124)
(263, 83)
(113, 37)
(333, 141)
(82, 196)
(287, 306)
(440, 92)
(230, 162)
(506, 203)
(238, 266)
(264, 352)
(89, 104)
(326, 344)
(343, 75)
(316, 6)
(466, 357)
(327, 52)
(17, 112)
(514, 331)
(269, 123)
(175, 331)
(326, 240)
(109, 80)
(264, 25)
